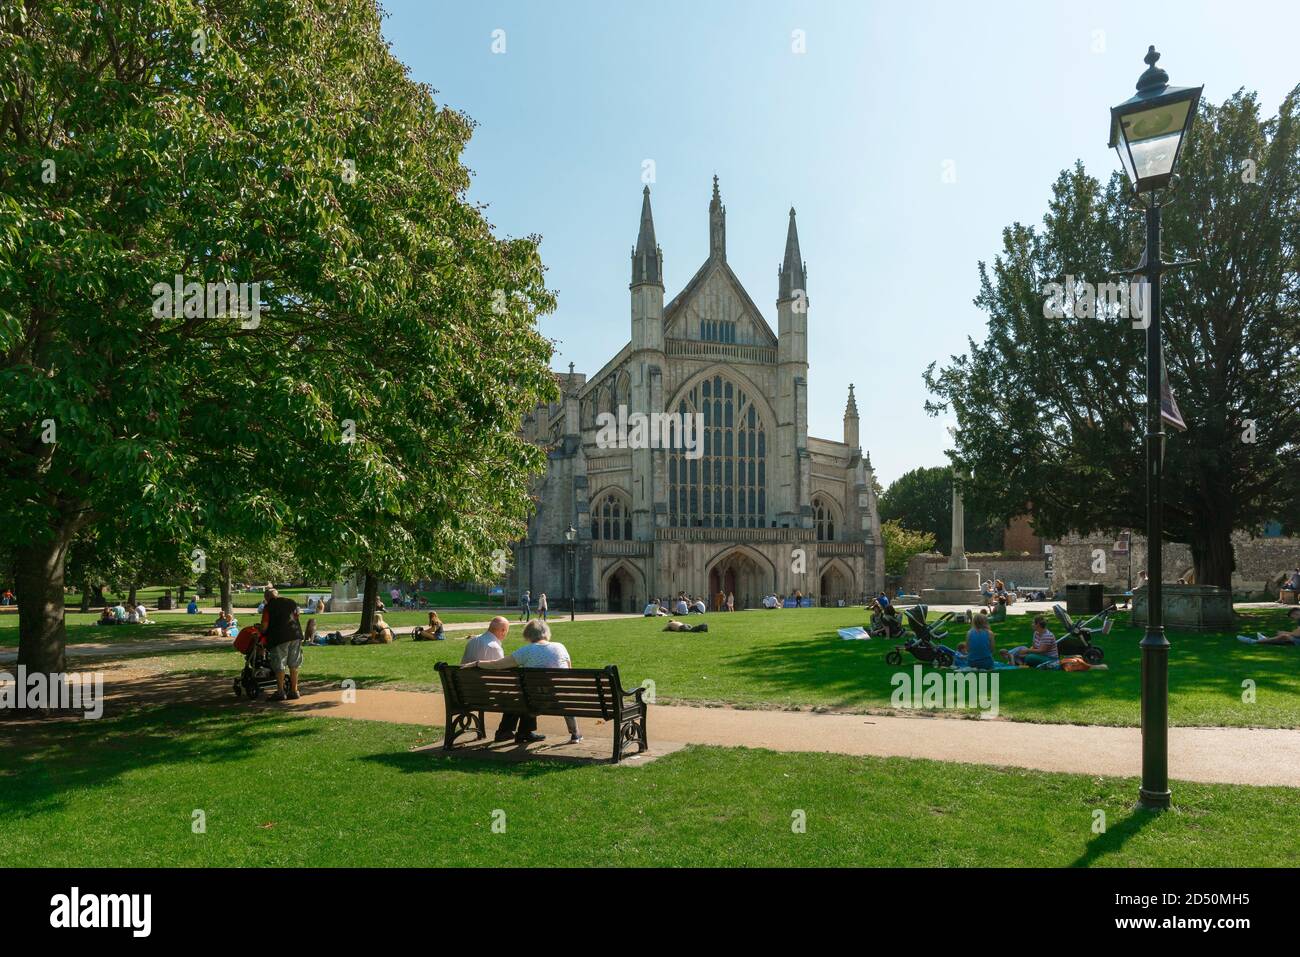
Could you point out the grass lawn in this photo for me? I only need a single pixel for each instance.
(82, 627)
(794, 658)
(289, 790)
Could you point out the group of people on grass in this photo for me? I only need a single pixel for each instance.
(119, 614)
(773, 600)
(485, 651)
(683, 604)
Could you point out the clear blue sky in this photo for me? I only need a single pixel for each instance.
(854, 133)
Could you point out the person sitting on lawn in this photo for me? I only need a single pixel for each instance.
(680, 607)
(979, 644)
(699, 608)
(433, 632)
(1290, 590)
(119, 613)
(769, 601)
(1041, 651)
(1282, 637)
(193, 607)
(142, 614)
(107, 617)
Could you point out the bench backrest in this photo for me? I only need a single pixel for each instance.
(581, 692)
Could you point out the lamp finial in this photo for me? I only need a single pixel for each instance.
(1153, 78)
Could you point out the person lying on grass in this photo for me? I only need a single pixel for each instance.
(1041, 652)
(1291, 637)
(540, 652)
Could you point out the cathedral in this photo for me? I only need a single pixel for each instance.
(752, 506)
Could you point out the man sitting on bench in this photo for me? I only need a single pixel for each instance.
(1289, 593)
(540, 652)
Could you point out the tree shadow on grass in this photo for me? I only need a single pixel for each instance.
(47, 760)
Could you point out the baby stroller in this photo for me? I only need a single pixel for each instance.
(885, 622)
(1078, 639)
(924, 643)
(257, 676)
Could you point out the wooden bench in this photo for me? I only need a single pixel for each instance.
(558, 692)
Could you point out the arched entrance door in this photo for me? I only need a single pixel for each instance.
(620, 591)
(739, 574)
(835, 585)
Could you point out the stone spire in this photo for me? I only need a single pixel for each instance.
(647, 258)
(851, 421)
(717, 225)
(793, 271)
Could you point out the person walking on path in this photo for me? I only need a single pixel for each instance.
(542, 607)
(525, 607)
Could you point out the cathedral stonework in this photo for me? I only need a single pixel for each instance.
(752, 506)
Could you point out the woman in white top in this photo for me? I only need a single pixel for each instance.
(542, 607)
(540, 652)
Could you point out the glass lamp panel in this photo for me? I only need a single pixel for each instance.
(1155, 156)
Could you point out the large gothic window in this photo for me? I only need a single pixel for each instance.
(611, 520)
(726, 487)
(823, 519)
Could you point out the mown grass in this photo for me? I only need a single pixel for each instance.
(792, 658)
(276, 789)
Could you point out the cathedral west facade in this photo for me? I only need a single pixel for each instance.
(757, 506)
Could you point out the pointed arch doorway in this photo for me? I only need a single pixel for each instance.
(738, 573)
(620, 591)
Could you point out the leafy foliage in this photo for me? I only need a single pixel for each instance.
(1052, 410)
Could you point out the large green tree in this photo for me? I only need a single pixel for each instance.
(1051, 408)
(275, 142)
(922, 500)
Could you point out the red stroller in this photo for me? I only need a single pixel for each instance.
(257, 676)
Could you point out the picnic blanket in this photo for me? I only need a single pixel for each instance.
(856, 633)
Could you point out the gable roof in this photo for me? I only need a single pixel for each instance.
(680, 300)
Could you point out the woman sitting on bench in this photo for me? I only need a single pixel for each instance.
(540, 652)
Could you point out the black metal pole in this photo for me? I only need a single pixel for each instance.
(1155, 647)
(573, 588)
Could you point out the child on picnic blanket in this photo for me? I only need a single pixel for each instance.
(1282, 637)
(1042, 651)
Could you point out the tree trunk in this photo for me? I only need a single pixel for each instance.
(131, 594)
(85, 596)
(370, 596)
(1213, 558)
(100, 601)
(180, 595)
(225, 584)
(42, 637)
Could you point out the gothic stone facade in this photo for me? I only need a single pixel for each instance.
(764, 508)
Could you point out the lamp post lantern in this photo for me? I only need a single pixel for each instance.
(571, 546)
(1148, 131)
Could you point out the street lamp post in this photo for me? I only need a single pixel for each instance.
(1148, 131)
(571, 546)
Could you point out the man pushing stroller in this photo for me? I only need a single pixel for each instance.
(283, 634)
